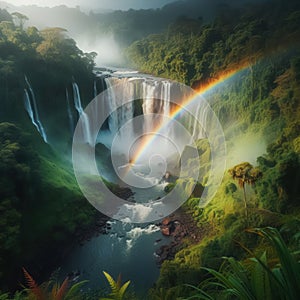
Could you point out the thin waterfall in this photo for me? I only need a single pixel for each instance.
(113, 119)
(86, 133)
(70, 114)
(200, 122)
(95, 88)
(32, 109)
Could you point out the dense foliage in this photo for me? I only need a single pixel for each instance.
(41, 206)
(191, 51)
(49, 58)
(34, 219)
(261, 100)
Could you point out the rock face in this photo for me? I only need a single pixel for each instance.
(178, 226)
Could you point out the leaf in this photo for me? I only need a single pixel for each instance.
(112, 283)
(74, 290)
(33, 286)
(62, 290)
(123, 289)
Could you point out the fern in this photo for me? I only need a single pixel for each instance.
(74, 291)
(62, 290)
(33, 286)
(52, 290)
(254, 279)
(117, 289)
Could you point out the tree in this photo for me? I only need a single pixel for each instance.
(245, 173)
(20, 18)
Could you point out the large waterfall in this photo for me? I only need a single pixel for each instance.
(155, 99)
(32, 109)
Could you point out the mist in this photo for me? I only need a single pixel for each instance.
(108, 50)
(96, 4)
(103, 27)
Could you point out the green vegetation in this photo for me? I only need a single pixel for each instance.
(244, 173)
(192, 52)
(117, 289)
(41, 205)
(57, 63)
(261, 100)
(256, 277)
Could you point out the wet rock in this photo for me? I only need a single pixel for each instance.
(178, 227)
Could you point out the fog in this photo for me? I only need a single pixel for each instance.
(94, 4)
(108, 50)
(100, 25)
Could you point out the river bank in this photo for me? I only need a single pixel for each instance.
(181, 228)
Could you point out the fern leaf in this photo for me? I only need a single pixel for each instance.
(73, 292)
(123, 289)
(54, 290)
(33, 286)
(112, 283)
(62, 290)
(119, 281)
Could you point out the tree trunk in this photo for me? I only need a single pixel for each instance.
(245, 205)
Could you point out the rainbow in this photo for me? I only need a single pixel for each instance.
(150, 138)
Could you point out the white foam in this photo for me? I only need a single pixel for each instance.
(137, 232)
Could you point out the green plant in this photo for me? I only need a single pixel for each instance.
(117, 289)
(52, 290)
(245, 173)
(255, 278)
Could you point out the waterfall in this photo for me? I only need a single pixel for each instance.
(155, 94)
(95, 88)
(86, 133)
(120, 113)
(113, 119)
(32, 109)
(199, 123)
(70, 114)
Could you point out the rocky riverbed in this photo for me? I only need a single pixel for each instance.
(179, 226)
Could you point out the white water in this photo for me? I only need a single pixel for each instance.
(128, 248)
(70, 114)
(32, 109)
(86, 130)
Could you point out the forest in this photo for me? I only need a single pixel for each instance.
(247, 240)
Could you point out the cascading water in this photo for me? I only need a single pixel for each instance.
(124, 112)
(86, 133)
(151, 91)
(95, 88)
(69, 111)
(131, 248)
(32, 109)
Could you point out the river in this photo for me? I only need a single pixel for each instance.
(127, 249)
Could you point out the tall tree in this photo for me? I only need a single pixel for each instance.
(20, 18)
(245, 173)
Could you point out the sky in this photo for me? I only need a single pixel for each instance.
(105, 4)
